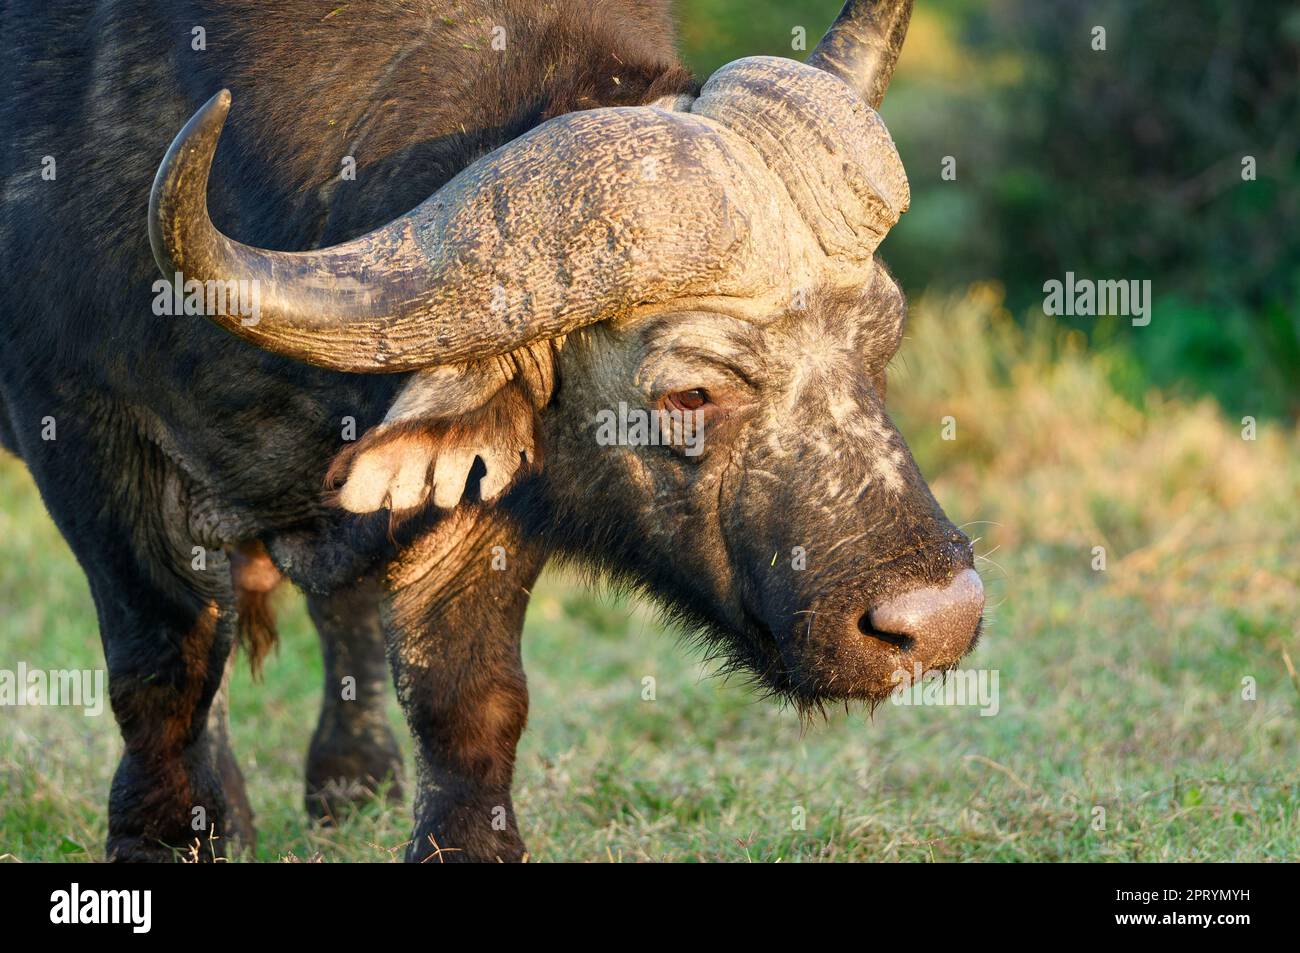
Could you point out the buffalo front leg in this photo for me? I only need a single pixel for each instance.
(353, 752)
(177, 792)
(165, 608)
(453, 619)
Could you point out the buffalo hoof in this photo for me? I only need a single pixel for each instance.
(344, 774)
(197, 817)
(137, 850)
(201, 849)
(478, 830)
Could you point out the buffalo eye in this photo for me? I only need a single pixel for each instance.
(687, 400)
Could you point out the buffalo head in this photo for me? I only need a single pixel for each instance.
(700, 268)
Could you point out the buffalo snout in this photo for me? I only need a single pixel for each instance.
(932, 625)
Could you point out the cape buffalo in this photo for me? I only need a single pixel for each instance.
(433, 246)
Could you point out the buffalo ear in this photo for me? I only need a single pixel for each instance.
(424, 450)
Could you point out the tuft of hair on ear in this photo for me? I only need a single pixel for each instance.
(410, 463)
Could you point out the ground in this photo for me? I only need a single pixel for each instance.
(1147, 711)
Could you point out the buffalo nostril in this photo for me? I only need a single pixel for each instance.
(940, 622)
(897, 639)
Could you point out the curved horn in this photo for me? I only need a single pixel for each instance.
(863, 44)
(305, 300)
(565, 226)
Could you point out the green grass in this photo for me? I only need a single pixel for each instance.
(1120, 690)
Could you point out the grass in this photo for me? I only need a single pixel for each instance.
(1121, 690)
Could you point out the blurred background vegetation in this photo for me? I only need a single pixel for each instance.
(1123, 164)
